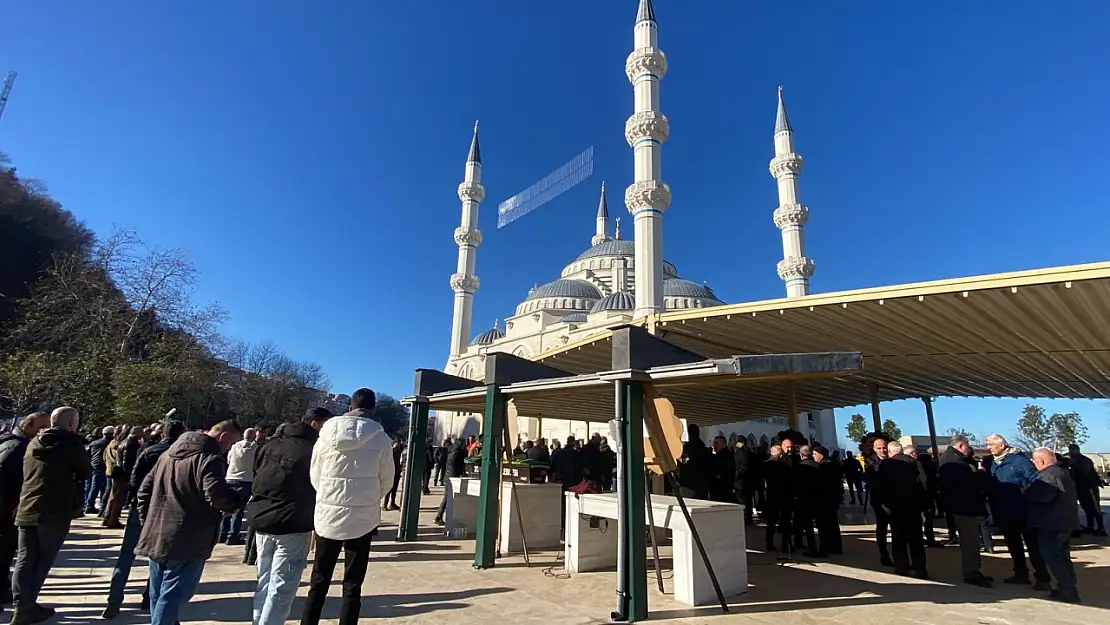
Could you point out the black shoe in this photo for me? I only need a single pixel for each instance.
(1099, 532)
(1017, 579)
(42, 609)
(438, 521)
(233, 542)
(885, 560)
(1057, 595)
(978, 580)
(1042, 585)
(110, 612)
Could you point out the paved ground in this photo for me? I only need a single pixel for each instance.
(432, 582)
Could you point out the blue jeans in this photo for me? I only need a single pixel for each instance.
(172, 584)
(281, 561)
(232, 525)
(98, 484)
(126, 558)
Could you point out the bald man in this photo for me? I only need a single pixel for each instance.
(1052, 516)
(13, 446)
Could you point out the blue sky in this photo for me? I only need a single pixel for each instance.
(308, 154)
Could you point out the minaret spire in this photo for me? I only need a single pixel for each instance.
(646, 130)
(601, 232)
(467, 236)
(795, 268)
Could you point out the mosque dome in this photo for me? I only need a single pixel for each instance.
(489, 336)
(612, 247)
(566, 288)
(677, 287)
(621, 300)
(575, 318)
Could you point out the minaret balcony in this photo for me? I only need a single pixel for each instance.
(646, 125)
(796, 267)
(647, 194)
(645, 61)
(784, 164)
(464, 283)
(791, 215)
(472, 191)
(468, 236)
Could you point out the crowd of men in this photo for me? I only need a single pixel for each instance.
(320, 480)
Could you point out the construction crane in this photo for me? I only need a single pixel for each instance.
(9, 80)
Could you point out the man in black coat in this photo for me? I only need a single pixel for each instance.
(723, 472)
(695, 467)
(853, 477)
(1087, 483)
(900, 491)
(1051, 500)
(13, 446)
(828, 525)
(811, 496)
(456, 467)
(98, 482)
(874, 449)
(280, 512)
(964, 500)
(441, 461)
(778, 508)
(747, 477)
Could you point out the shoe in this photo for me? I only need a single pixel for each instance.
(438, 521)
(920, 574)
(222, 540)
(1017, 579)
(1058, 595)
(427, 491)
(394, 507)
(110, 612)
(1042, 585)
(1099, 532)
(1077, 534)
(48, 611)
(978, 580)
(885, 560)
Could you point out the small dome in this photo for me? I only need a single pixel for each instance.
(612, 247)
(489, 336)
(566, 288)
(575, 318)
(677, 287)
(621, 300)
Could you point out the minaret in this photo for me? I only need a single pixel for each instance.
(602, 220)
(794, 268)
(468, 238)
(647, 198)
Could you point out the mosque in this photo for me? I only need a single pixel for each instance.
(618, 280)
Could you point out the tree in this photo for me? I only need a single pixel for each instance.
(1037, 429)
(891, 429)
(971, 438)
(393, 415)
(1068, 429)
(856, 428)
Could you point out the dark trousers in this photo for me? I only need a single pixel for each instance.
(908, 546)
(391, 496)
(38, 548)
(1018, 539)
(803, 529)
(440, 471)
(745, 497)
(117, 497)
(427, 477)
(1090, 509)
(356, 555)
(855, 489)
(9, 543)
(778, 521)
(968, 528)
(828, 529)
(882, 526)
(927, 528)
(1055, 549)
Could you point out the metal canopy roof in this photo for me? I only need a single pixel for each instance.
(707, 393)
(1041, 333)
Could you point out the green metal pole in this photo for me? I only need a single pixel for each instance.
(493, 424)
(636, 502)
(414, 472)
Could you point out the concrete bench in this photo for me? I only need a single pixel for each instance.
(539, 504)
(720, 525)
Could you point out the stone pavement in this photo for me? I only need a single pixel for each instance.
(432, 581)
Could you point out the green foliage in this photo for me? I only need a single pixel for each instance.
(1035, 428)
(110, 327)
(392, 415)
(891, 429)
(971, 438)
(856, 428)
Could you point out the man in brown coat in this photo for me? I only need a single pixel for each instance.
(181, 503)
(55, 468)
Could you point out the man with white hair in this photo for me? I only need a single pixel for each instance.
(240, 476)
(901, 492)
(964, 499)
(1011, 473)
(53, 468)
(1052, 516)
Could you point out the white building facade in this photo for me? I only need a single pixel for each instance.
(616, 280)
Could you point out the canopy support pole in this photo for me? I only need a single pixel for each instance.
(791, 406)
(414, 472)
(932, 426)
(875, 415)
(493, 426)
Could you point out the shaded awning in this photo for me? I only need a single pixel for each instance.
(1042, 333)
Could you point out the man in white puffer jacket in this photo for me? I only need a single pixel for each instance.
(352, 467)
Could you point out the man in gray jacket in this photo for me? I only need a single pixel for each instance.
(1052, 515)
